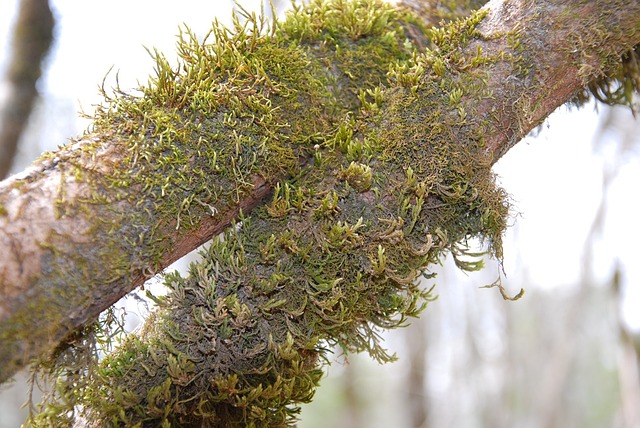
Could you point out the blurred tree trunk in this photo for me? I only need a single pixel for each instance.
(354, 409)
(32, 37)
(417, 399)
(628, 361)
(614, 119)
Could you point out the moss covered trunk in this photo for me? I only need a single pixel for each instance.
(375, 136)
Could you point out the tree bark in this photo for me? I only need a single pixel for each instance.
(84, 226)
(54, 280)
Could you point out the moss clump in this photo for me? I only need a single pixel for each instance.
(240, 341)
(236, 107)
(376, 197)
(244, 106)
(430, 125)
(618, 86)
(610, 77)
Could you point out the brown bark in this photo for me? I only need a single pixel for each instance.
(55, 257)
(50, 252)
(569, 44)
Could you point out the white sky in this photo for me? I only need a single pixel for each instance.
(555, 179)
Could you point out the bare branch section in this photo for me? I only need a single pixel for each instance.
(166, 170)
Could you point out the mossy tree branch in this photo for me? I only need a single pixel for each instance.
(386, 132)
(163, 172)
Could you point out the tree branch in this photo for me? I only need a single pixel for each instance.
(164, 171)
(564, 48)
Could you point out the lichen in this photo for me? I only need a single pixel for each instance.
(384, 176)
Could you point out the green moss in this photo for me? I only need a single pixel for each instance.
(249, 102)
(617, 85)
(608, 76)
(382, 182)
(199, 133)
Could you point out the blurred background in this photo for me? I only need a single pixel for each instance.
(565, 355)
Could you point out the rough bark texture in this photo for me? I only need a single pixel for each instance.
(85, 225)
(567, 45)
(54, 279)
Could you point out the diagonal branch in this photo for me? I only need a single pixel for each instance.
(163, 172)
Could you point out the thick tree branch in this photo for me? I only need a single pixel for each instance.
(565, 46)
(54, 278)
(164, 172)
